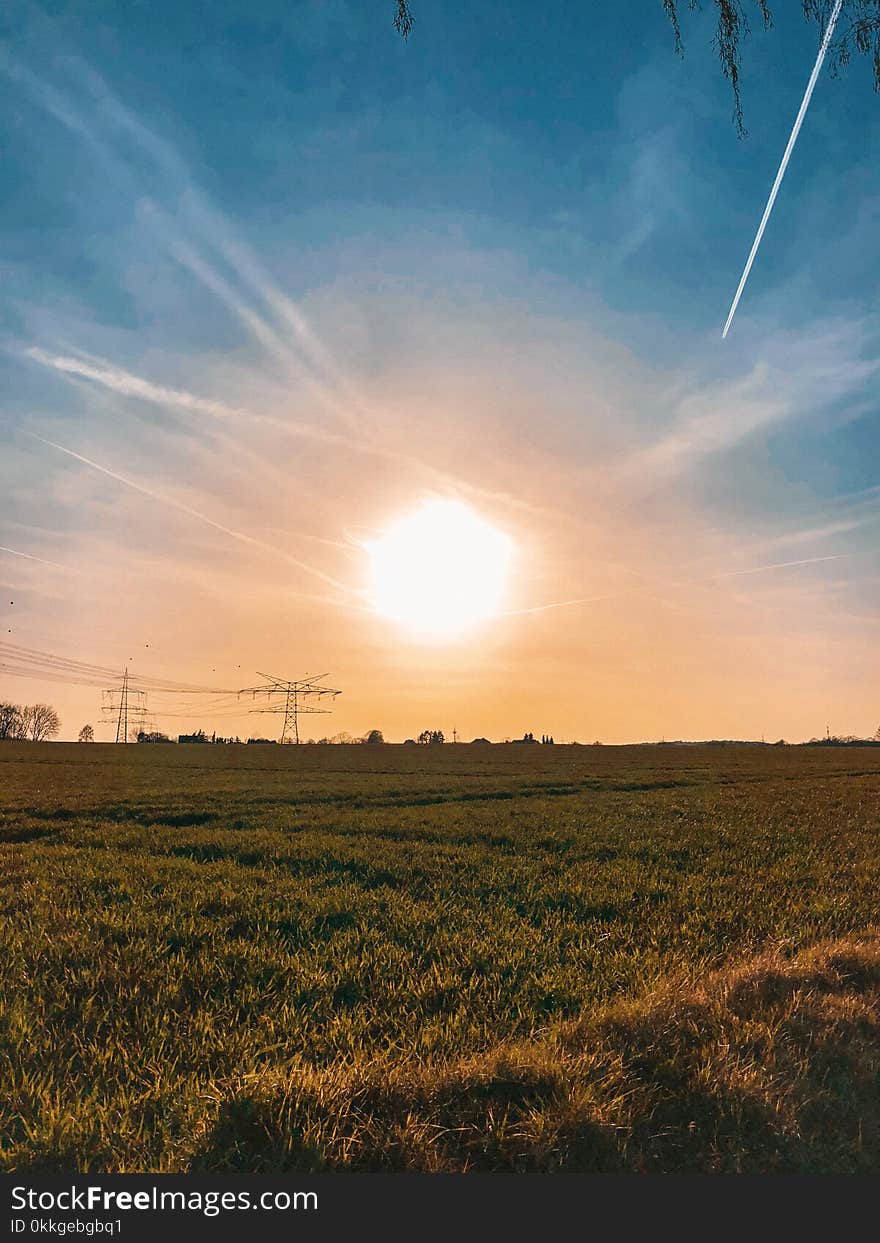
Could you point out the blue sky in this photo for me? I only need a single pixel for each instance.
(284, 270)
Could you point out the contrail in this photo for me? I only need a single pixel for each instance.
(110, 376)
(695, 582)
(195, 513)
(30, 557)
(781, 565)
(796, 129)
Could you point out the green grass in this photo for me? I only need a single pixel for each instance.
(437, 958)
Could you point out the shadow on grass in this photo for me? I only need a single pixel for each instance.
(769, 1066)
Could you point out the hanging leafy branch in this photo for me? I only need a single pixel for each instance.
(858, 31)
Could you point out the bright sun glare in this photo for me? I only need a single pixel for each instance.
(440, 571)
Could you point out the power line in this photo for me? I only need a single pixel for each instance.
(24, 661)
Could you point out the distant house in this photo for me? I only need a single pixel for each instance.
(527, 738)
(410, 742)
(199, 736)
(481, 742)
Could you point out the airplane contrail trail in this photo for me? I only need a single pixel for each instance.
(796, 129)
(695, 582)
(30, 557)
(782, 565)
(195, 513)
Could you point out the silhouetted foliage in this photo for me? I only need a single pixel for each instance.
(844, 740)
(40, 722)
(11, 724)
(86, 734)
(403, 21)
(431, 737)
(858, 30)
(374, 737)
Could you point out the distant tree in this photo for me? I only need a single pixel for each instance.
(342, 738)
(11, 722)
(41, 722)
(374, 737)
(431, 737)
(86, 734)
(857, 31)
(877, 734)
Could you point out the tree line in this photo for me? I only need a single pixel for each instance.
(28, 722)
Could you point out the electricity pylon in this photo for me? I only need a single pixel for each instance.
(131, 703)
(286, 697)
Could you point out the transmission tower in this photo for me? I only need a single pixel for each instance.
(125, 703)
(285, 697)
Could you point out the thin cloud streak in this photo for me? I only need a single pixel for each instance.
(42, 560)
(777, 565)
(796, 129)
(209, 224)
(118, 380)
(241, 536)
(696, 582)
(129, 385)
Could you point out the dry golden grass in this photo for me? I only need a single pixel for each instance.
(772, 1065)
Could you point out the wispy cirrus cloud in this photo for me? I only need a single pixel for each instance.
(192, 229)
(794, 377)
(28, 556)
(191, 512)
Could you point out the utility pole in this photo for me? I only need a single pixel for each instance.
(285, 697)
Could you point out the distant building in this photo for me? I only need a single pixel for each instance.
(481, 742)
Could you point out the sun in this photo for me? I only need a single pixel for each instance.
(440, 571)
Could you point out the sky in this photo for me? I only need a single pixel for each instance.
(272, 279)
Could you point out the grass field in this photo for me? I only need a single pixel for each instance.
(441, 958)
